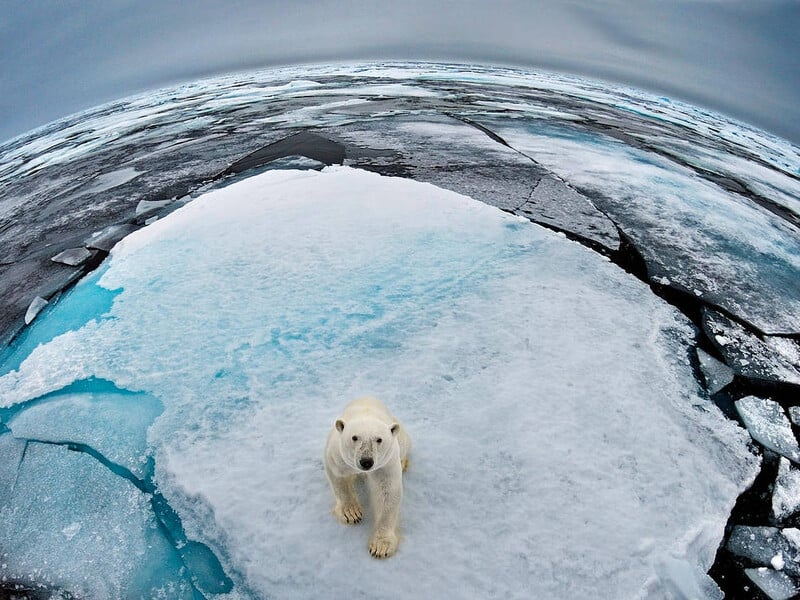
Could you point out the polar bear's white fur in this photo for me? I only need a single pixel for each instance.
(367, 441)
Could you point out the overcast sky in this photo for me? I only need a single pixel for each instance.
(738, 57)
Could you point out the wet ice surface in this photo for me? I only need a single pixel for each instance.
(709, 203)
(300, 290)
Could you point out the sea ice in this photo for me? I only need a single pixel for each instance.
(558, 449)
(85, 414)
(35, 307)
(689, 230)
(786, 496)
(70, 523)
(766, 547)
(72, 256)
(768, 424)
(747, 354)
(777, 586)
(108, 181)
(717, 374)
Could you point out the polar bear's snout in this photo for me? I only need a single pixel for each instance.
(366, 463)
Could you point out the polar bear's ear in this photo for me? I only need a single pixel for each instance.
(395, 428)
(339, 425)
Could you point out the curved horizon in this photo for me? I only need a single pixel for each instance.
(729, 56)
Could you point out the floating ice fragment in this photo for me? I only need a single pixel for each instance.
(34, 308)
(761, 545)
(747, 354)
(108, 237)
(786, 497)
(775, 585)
(793, 535)
(72, 256)
(787, 348)
(777, 561)
(767, 423)
(112, 179)
(146, 206)
(794, 414)
(717, 374)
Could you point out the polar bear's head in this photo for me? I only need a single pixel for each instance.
(367, 443)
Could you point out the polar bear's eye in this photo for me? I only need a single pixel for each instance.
(379, 440)
(355, 438)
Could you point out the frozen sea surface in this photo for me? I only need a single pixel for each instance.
(563, 448)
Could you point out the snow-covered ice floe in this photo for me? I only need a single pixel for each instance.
(563, 448)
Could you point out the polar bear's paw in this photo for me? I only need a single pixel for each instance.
(348, 513)
(383, 545)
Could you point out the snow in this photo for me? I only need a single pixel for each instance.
(559, 447)
(768, 424)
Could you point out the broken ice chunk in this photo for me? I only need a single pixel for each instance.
(793, 535)
(34, 308)
(776, 585)
(768, 425)
(74, 524)
(111, 421)
(72, 256)
(747, 354)
(786, 497)
(794, 414)
(146, 206)
(717, 374)
(108, 237)
(760, 546)
(788, 348)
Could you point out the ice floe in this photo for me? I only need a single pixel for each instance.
(559, 451)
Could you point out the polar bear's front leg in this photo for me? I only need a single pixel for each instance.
(347, 508)
(386, 494)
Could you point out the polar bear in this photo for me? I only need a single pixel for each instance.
(367, 441)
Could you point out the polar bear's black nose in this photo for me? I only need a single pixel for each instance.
(366, 463)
